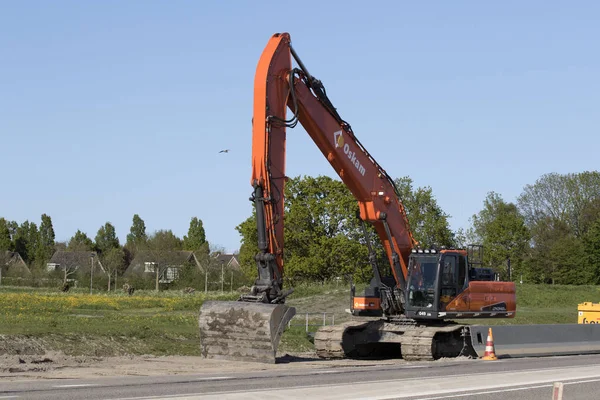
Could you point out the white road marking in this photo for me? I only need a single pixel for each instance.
(486, 392)
(406, 387)
(588, 381)
(76, 385)
(506, 390)
(8, 397)
(214, 378)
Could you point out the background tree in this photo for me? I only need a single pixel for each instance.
(563, 198)
(539, 267)
(591, 249)
(160, 246)
(501, 229)
(249, 245)
(136, 238)
(45, 246)
(80, 242)
(12, 228)
(461, 238)
(213, 271)
(207, 255)
(106, 238)
(113, 260)
(323, 237)
(6, 243)
(590, 214)
(26, 241)
(559, 209)
(566, 259)
(428, 222)
(196, 237)
(67, 272)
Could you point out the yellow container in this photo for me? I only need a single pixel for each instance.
(588, 313)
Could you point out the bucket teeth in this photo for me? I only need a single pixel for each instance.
(242, 331)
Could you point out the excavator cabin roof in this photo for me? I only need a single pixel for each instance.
(439, 251)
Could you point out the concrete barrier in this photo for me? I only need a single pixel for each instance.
(538, 340)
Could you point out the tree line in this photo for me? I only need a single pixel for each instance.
(324, 239)
(551, 234)
(37, 245)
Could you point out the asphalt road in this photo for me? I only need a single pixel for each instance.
(522, 378)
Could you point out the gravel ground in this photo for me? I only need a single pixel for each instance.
(55, 365)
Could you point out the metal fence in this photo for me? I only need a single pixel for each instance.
(312, 319)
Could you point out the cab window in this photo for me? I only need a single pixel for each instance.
(462, 271)
(449, 271)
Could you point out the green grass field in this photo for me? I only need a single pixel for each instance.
(167, 322)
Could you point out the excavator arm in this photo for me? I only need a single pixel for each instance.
(279, 86)
(250, 328)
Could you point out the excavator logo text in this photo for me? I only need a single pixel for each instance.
(338, 139)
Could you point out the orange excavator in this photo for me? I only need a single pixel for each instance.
(428, 289)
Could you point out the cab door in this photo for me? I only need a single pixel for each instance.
(453, 273)
(448, 280)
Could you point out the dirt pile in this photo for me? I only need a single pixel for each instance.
(39, 363)
(22, 345)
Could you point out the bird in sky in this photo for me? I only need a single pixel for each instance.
(224, 151)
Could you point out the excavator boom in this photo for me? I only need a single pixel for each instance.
(239, 330)
(277, 87)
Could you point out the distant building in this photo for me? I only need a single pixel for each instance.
(169, 264)
(74, 261)
(12, 264)
(229, 261)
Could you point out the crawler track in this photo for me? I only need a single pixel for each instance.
(380, 338)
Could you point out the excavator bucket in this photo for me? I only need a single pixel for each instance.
(242, 331)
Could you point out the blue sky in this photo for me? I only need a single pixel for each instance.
(113, 108)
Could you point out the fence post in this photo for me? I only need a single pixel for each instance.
(332, 319)
(324, 321)
(306, 316)
(206, 281)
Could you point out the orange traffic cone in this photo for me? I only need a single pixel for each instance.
(490, 350)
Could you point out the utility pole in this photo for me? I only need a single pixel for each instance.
(91, 272)
(222, 275)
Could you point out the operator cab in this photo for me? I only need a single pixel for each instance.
(428, 270)
(442, 284)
